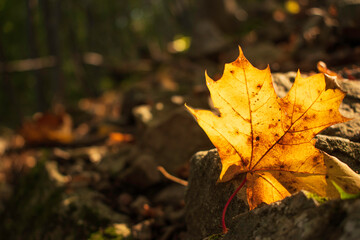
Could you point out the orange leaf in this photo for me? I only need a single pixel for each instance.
(322, 68)
(270, 139)
(117, 137)
(48, 127)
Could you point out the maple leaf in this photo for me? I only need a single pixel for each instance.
(270, 139)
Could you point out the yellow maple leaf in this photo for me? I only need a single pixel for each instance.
(270, 139)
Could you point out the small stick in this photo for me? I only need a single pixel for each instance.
(171, 177)
(224, 228)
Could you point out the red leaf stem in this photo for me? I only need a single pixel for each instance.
(224, 228)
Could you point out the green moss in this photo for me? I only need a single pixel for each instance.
(110, 233)
(316, 197)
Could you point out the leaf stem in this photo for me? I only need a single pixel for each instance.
(224, 228)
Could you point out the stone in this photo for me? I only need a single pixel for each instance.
(205, 199)
(142, 173)
(342, 148)
(124, 200)
(296, 217)
(138, 204)
(172, 194)
(86, 201)
(299, 217)
(142, 230)
(283, 82)
(173, 139)
(349, 130)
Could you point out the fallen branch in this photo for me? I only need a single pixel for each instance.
(171, 177)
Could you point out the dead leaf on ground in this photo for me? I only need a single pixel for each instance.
(48, 127)
(268, 139)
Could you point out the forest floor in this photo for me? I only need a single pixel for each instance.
(92, 172)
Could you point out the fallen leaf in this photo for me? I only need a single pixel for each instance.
(47, 127)
(268, 139)
(322, 68)
(117, 138)
(345, 195)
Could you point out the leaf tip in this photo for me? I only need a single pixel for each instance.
(241, 53)
(191, 110)
(298, 74)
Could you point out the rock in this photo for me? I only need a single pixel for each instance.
(342, 148)
(142, 173)
(283, 82)
(124, 200)
(298, 217)
(173, 139)
(86, 202)
(205, 199)
(352, 88)
(138, 205)
(349, 130)
(142, 230)
(113, 163)
(173, 194)
(295, 217)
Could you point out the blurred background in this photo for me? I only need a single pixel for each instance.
(54, 51)
(92, 101)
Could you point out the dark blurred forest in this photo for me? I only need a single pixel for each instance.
(92, 96)
(54, 51)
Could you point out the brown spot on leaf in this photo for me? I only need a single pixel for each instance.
(273, 125)
(245, 161)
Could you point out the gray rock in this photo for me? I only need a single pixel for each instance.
(298, 217)
(205, 199)
(142, 230)
(173, 139)
(351, 87)
(349, 130)
(142, 173)
(138, 205)
(342, 148)
(86, 201)
(173, 194)
(283, 82)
